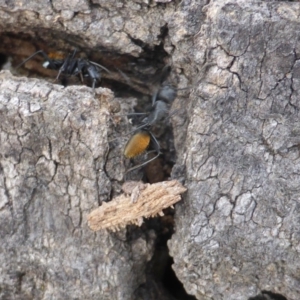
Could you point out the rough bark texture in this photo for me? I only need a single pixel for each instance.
(53, 149)
(237, 230)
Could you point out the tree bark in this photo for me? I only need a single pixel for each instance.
(237, 231)
(237, 148)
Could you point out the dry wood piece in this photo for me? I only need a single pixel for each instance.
(122, 211)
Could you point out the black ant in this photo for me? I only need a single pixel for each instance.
(166, 92)
(141, 139)
(70, 66)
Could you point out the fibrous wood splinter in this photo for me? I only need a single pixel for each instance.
(148, 201)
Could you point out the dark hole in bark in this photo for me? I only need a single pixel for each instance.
(161, 281)
(275, 296)
(173, 285)
(162, 270)
(3, 60)
(139, 70)
(268, 295)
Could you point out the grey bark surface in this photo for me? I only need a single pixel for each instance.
(53, 150)
(237, 230)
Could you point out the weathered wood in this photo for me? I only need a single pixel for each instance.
(53, 172)
(144, 201)
(237, 230)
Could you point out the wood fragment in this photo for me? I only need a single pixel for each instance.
(122, 211)
(134, 189)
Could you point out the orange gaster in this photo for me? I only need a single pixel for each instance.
(56, 55)
(137, 144)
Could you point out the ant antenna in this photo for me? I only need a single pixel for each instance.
(100, 66)
(34, 54)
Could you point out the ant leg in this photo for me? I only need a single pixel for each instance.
(81, 77)
(136, 114)
(154, 97)
(68, 65)
(80, 65)
(136, 129)
(165, 73)
(59, 72)
(127, 79)
(93, 72)
(156, 144)
(63, 67)
(126, 178)
(94, 83)
(161, 75)
(139, 127)
(74, 53)
(143, 164)
(133, 131)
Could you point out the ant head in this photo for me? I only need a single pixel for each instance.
(167, 93)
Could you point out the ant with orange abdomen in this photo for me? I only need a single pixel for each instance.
(142, 136)
(70, 66)
(143, 139)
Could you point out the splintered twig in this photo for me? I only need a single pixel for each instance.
(125, 209)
